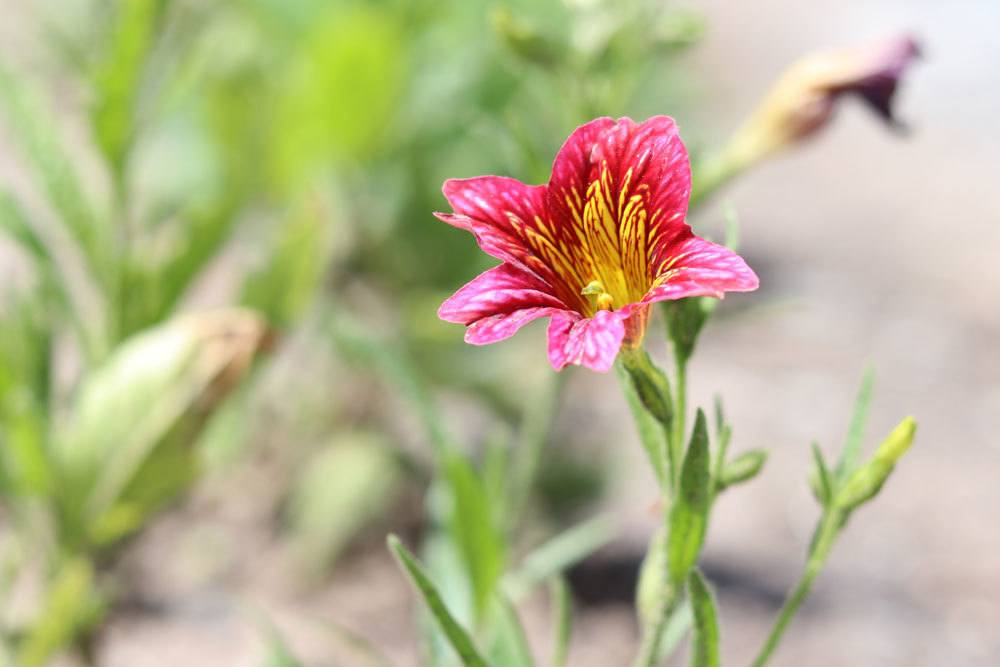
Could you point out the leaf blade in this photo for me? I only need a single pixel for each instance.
(456, 634)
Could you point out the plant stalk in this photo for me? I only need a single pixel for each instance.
(828, 529)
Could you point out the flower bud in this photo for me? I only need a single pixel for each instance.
(744, 467)
(650, 383)
(802, 102)
(867, 480)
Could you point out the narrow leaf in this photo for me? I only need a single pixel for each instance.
(456, 634)
(562, 601)
(31, 124)
(509, 647)
(473, 525)
(820, 479)
(705, 649)
(852, 444)
(558, 554)
(742, 468)
(689, 516)
(652, 435)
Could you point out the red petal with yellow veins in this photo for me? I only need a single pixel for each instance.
(501, 290)
(592, 342)
(701, 268)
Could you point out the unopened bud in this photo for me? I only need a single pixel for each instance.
(650, 383)
(744, 467)
(867, 480)
(803, 100)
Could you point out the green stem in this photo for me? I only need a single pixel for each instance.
(677, 443)
(649, 651)
(826, 534)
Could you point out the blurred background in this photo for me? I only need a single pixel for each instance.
(222, 379)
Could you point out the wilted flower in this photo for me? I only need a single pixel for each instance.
(593, 248)
(803, 100)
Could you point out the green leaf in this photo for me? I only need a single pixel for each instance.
(31, 124)
(339, 93)
(820, 479)
(278, 653)
(509, 645)
(287, 283)
(744, 467)
(117, 77)
(340, 490)
(855, 433)
(689, 515)
(473, 525)
(456, 634)
(562, 603)
(652, 434)
(71, 606)
(558, 554)
(705, 650)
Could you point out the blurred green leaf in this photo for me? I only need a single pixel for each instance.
(457, 635)
(689, 515)
(652, 434)
(473, 524)
(32, 125)
(117, 78)
(705, 651)
(820, 479)
(129, 437)
(278, 653)
(558, 554)
(509, 645)
(562, 603)
(856, 431)
(71, 606)
(340, 92)
(341, 489)
(288, 282)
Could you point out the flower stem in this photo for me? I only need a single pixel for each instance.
(826, 534)
(677, 443)
(649, 652)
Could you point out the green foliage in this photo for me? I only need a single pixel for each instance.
(743, 468)
(705, 644)
(856, 431)
(70, 607)
(456, 634)
(689, 515)
(474, 525)
(341, 489)
(562, 603)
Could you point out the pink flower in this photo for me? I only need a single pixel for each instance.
(592, 249)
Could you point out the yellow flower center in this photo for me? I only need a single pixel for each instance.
(599, 298)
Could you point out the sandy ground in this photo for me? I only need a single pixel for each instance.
(870, 249)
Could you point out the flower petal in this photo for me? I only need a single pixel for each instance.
(702, 268)
(504, 325)
(510, 222)
(501, 290)
(592, 342)
(619, 193)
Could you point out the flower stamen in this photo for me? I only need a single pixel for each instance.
(598, 296)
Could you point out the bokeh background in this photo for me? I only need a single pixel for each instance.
(287, 156)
